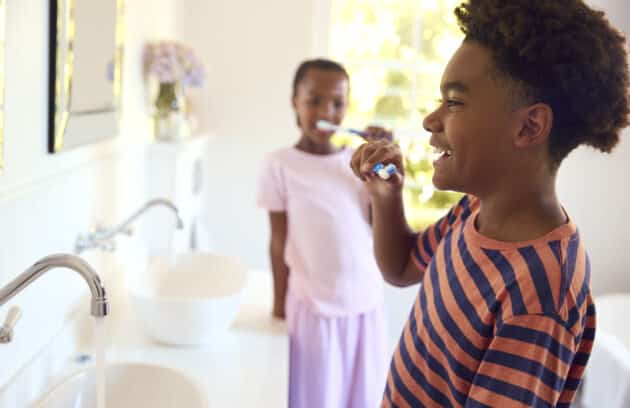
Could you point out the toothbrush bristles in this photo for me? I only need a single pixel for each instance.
(325, 125)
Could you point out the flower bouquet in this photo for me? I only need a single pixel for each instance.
(172, 68)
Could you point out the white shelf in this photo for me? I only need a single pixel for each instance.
(193, 143)
(177, 171)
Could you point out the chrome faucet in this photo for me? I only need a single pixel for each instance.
(103, 238)
(99, 305)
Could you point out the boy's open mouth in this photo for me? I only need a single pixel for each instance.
(440, 154)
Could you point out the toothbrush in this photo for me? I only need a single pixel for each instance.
(383, 171)
(325, 125)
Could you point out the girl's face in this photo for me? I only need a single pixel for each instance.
(320, 95)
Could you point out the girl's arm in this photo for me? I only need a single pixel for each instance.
(278, 221)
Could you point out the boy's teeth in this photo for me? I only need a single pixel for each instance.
(439, 152)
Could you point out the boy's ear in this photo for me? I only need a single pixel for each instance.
(294, 102)
(537, 121)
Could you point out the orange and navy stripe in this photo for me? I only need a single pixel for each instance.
(494, 325)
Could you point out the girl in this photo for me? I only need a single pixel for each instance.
(325, 277)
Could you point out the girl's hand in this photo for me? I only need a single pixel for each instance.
(278, 311)
(373, 133)
(371, 153)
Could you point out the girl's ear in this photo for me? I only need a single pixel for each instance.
(294, 105)
(537, 121)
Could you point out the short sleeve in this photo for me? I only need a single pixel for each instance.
(428, 240)
(271, 189)
(527, 364)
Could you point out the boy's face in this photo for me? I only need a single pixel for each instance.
(321, 95)
(474, 124)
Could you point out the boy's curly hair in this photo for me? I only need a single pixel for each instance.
(564, 54)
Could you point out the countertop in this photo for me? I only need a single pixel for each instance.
(247, 366)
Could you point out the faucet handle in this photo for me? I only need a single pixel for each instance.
(15, 312)
(127, 231)
(107, 246)
(6, 331)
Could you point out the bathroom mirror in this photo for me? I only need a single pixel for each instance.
(2, 28)
(86, 49)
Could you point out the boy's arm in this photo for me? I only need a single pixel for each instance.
(393, 242)
(393, 239)
(278, 221)
(528, 363)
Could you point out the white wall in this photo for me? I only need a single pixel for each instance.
(46, 200)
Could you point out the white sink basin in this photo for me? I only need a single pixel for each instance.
(128, 385)
(190, 302)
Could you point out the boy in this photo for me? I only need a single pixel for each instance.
(504, 316)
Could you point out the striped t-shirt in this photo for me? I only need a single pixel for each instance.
(495, 324)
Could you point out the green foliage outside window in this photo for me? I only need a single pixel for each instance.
(395, 52)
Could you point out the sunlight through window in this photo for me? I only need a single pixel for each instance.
(395, 52)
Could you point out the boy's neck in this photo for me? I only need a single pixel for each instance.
(521, 214)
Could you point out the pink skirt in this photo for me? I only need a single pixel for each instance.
(336, 362)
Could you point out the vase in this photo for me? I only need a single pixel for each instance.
(170, 117)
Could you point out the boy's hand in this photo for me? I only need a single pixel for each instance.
(373, 133)
(380, 151)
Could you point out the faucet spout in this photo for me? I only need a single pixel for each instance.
(99, 303)
(103, 236)
(151, 203)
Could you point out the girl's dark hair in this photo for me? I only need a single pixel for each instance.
(319, 63)
(564, 54)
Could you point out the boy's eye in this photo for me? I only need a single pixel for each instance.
(339, 105)
(450, 102)
(313, 101)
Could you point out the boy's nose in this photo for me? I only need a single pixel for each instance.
(431, 123)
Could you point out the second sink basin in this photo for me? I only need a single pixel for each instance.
(191, 301)
(128, 385)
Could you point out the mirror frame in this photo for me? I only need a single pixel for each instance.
(2, 71)
(67, 129)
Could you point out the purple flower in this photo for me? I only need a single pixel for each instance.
(172, 62)
(109, 71)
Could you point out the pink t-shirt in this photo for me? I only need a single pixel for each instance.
(329, 247)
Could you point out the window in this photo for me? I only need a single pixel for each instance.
(395, 52)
